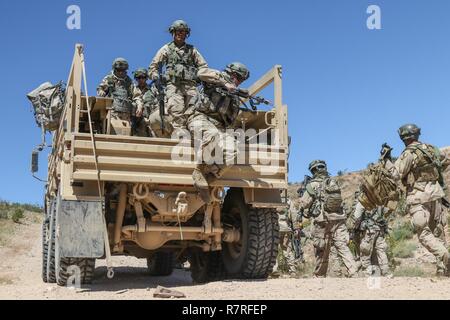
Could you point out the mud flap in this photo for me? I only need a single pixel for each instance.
(79, 232)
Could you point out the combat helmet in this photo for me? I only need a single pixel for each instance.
(120, 64)
(239, 69)
(140, 72)
(409, 131)
(317, 164)
(180, 25)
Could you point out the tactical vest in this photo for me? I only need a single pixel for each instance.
(327, 199)
(150, 100)
(119, 90)
(181, 66)
(223, 103)
(428, 163)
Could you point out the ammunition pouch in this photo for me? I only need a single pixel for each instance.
(121, 103)
(181, 74)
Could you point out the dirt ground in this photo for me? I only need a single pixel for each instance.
(20, 278)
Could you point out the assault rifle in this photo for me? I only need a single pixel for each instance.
(243, 94)
(159, 85)
(296, 235)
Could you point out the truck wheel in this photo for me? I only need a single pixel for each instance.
(44, 251)
(51, 275)
(85, 265)
(254, 255)
(206, 266)
(161, 264)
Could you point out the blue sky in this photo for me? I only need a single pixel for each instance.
(347, 88)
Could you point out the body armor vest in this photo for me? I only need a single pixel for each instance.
(427, 166)
(180, 66)
(119, 90)
(224, 104)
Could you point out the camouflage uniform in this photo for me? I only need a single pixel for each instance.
(138, 103)
(424, 197)
(153, 117)
(182, 64)
(285, 220)
(373, 247)
(329, 228)
(121, 90)
(209, 126)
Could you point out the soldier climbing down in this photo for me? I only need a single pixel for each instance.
(182, 61)
(119, 86)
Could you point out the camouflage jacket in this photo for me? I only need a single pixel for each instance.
(111, 81)
(138, 94)
(287, 218)
(313, 204)
(221, 106)
(403, 170)
(189, 59)
(372, 221)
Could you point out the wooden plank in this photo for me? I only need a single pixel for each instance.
(175, 179)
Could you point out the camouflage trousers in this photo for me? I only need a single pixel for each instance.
(373, 244)
(327, 235)
(120, 123)
(180, 100)
(428, 222)
(216, 148)
(154, 125)
(286, 254)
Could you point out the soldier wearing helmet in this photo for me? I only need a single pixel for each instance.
(216, 110)
(323, 201)
(181, 62)
(141, 87)
(419, 170)
(119, 86)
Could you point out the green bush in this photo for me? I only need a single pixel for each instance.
(404, 249)
(414, 271)
(17, 215)
(402, 232)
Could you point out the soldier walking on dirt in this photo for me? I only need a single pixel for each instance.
(119, 86)
(419, 169)
(372, 228)
(182, 61)
(289, 225)
(323, 200)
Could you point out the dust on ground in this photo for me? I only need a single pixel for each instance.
(20, 278)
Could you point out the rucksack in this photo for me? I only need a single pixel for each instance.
(378, 187)
(48, 103)
(331, 196)
(328, 197)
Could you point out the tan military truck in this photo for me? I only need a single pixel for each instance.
(110, 195)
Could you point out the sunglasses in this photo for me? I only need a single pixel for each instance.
(141, 77)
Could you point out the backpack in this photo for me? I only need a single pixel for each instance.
(331, 196)
(378, 187)
(48, 103)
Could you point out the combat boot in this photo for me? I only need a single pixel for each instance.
(201, 184)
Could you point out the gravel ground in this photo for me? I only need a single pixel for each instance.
(20, 269)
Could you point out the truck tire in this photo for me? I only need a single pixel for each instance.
(161, 264)
(51, 275)
(254, 256)
(86, 266)
(206, 266)
(44, 251)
